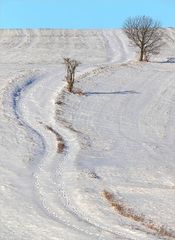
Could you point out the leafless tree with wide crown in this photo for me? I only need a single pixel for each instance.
(144, 33)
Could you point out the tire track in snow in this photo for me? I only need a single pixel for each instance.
(17, 100)
(70, 157)
(117, 52)
(52, 212)
(43, 203)
(16, 94)
(12, 96)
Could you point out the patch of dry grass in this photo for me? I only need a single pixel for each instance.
(127, 212)
(59, 102)
(78, 92)
(60, 140)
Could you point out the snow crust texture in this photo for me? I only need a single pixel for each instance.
(94, 166)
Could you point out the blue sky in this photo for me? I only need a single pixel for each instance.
(81, 13)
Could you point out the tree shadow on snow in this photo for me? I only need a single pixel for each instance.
(168, 60)
(110, 93)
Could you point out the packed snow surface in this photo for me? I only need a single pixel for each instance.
(114, 178)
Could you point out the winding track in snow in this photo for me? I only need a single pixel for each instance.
(19, 102)
(45, 182)
(52, 209)
(43, 174)
(72, 209)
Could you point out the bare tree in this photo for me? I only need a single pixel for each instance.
(144, 33)
(71, 66)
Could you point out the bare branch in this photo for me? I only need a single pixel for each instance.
(144, 33)
(71, 66)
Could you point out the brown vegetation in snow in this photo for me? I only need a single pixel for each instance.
(127, 212)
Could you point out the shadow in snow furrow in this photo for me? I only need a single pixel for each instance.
(38, 138)
(35, 136)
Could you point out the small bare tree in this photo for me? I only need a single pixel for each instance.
(71, 66)
(144, 33)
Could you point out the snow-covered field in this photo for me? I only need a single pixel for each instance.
(114, 178)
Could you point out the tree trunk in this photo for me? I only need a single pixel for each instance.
(141, 55)
(70, 87)
(71, 83)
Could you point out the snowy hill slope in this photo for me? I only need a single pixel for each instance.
(114, 178)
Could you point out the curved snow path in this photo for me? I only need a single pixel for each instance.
(49, 194)
(46, 179)
(27, 106)
(56, 177)
(31, 110)
(49, 178)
